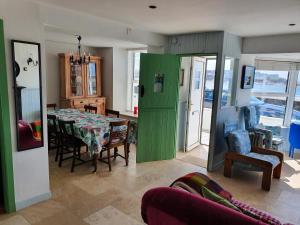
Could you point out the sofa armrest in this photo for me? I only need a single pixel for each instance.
(165, 206)
(246, 159)
(267, 152)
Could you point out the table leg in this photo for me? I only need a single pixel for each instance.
(95, 160)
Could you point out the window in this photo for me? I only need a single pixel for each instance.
(133, 78)
(227, 81)
(270, 81)
(296, 105)
(270, 93)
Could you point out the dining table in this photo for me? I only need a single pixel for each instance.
(93, 129)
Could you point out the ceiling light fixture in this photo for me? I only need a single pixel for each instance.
(292, 24)
(78, 58)
(152, 6)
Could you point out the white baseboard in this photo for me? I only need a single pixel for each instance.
(34, 200)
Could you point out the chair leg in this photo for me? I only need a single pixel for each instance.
(291, 152)
(95, 160)
(126, 150)
(108, 159)
(74, 158)
(57, 153)
(115, 152)
(61, 156)
(266, 180)
(227, 167)
(277, 171)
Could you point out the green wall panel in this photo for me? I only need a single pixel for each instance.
(5, 133)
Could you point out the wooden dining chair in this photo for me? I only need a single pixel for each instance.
(90, 109)
(71, 145)
(51, 106)
(118, 137)
(112, 113)
(53, 134)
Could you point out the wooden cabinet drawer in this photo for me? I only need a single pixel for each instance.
(81, 102)
(96, 100)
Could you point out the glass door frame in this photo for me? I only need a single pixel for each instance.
(97, 73)
(82, 82)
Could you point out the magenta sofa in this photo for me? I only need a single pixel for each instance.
(171, 206)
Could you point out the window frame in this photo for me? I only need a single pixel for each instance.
(289, 93)
(131, 81)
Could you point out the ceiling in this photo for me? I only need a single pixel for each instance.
(240, 17)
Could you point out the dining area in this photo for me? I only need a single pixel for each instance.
(87, 137)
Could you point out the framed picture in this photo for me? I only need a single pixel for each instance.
(248, 74)
(181, 77)
(26, 58)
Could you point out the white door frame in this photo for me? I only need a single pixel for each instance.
(193, 58)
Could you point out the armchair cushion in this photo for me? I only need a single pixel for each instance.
(239, 142)
(208, 194)
(274, 160)
(193, 182)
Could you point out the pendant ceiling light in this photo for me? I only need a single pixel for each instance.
(78, 58)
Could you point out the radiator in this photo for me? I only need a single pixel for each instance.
(30, 101)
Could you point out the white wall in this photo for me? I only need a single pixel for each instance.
(31, 172)
(114, 77)
(107, 75)
(285, 43)
(120, 69)
(52, 49)
(243, 95)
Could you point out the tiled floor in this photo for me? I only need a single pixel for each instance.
(83, 198)
(197, 156)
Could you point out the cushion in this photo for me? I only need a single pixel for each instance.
(239, 141)
(274, 160)
(193, 183)
(218, 199)
(255, 213)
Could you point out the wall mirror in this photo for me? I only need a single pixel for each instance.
(26, 59)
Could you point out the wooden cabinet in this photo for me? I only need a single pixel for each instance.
(81, 84)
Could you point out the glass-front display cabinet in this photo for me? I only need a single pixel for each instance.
(81, 84)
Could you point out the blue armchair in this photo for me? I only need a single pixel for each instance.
(259, 136)
(251, 158)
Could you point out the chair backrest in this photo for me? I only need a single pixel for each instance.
(294, 137)
(252, 115)
(52, 124)
(52, 105)
(230, 126)
(91, 109)
(67, 132)
(112, 113)
(118, 132)
(239, 142)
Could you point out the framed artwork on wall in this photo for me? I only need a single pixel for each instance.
(248, 74)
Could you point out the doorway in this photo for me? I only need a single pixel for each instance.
(197, 95)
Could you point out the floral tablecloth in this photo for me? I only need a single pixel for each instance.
(92, 129)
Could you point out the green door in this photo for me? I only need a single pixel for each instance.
(158, 99)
